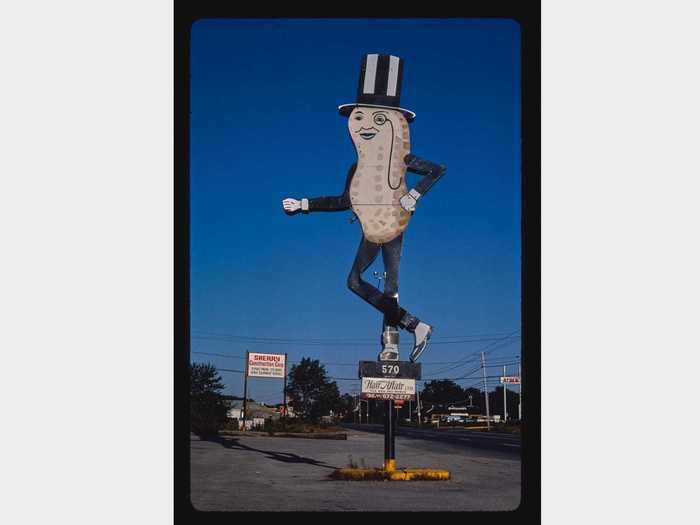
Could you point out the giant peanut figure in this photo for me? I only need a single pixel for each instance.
(376, 191)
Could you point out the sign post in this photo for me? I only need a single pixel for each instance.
(264, 365)
(512, 380)
(245, 389)
(389, 438)
(389, 381)
(284, 391)
(520, 395)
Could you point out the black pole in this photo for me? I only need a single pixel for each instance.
(389, 434)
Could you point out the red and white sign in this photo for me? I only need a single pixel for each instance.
(266, 365)
(511, 380)
(388, 388)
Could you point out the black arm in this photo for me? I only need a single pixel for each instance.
(431, 172)
(339, 203)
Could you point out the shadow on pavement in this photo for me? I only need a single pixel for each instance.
(285, 457)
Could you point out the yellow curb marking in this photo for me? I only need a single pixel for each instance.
(410, 474)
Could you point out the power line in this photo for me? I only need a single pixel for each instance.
(229, 370)
(304, 340)
(229, 356)
(475, 355)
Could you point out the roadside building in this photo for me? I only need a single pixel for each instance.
(257, 412)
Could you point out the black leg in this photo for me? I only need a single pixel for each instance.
(366, 254)
(391, 254)
(386, 302)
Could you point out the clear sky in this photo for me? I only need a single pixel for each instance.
(264, 126)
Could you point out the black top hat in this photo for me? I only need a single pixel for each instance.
(380, 85)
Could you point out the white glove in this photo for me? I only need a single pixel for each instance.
(408, 201)
(293, 205)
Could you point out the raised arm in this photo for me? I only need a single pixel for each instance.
(431, 174)
(336, 203)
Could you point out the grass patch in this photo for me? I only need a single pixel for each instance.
(295, 426)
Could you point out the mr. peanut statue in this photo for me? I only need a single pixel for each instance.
(376, 191)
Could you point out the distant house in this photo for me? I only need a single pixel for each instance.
(255, 410)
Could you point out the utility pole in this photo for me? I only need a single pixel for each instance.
(245, 389)
(486, 391)
(505, 408)
(520, 394)
(418, 401)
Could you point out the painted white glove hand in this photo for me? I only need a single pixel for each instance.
(293, 205)
(408, 201)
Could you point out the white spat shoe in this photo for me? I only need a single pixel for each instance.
(422, 333)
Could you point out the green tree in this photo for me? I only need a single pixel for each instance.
(347, 407)
(310, 391)
(442, 393)
(208, 407)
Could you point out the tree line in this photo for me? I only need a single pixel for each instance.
(312, 394)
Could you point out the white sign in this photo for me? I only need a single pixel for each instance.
(515, 380)
(388, 388)
(266, 365)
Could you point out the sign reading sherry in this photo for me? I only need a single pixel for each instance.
(266, 365)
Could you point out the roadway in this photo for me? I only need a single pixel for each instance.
(498, 443)
(256, 472)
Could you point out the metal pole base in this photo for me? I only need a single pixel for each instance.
(390, 344)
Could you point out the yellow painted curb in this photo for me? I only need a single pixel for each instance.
(406, 474)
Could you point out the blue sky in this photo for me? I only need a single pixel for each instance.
(264, 126)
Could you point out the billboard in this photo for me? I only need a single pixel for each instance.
(266, 365)
(388, 388)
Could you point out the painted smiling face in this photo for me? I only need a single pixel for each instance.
(382, 140)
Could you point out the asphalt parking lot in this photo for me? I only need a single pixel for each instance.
(262, 473)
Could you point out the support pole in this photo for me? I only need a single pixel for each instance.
(245, 389)
(486, 391)
(520, 393)
(389, 435)
(284, 388)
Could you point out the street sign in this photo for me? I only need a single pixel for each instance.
(511, 380)
(393, 369)
(266, 365)
(398, 403)
(388, 388)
